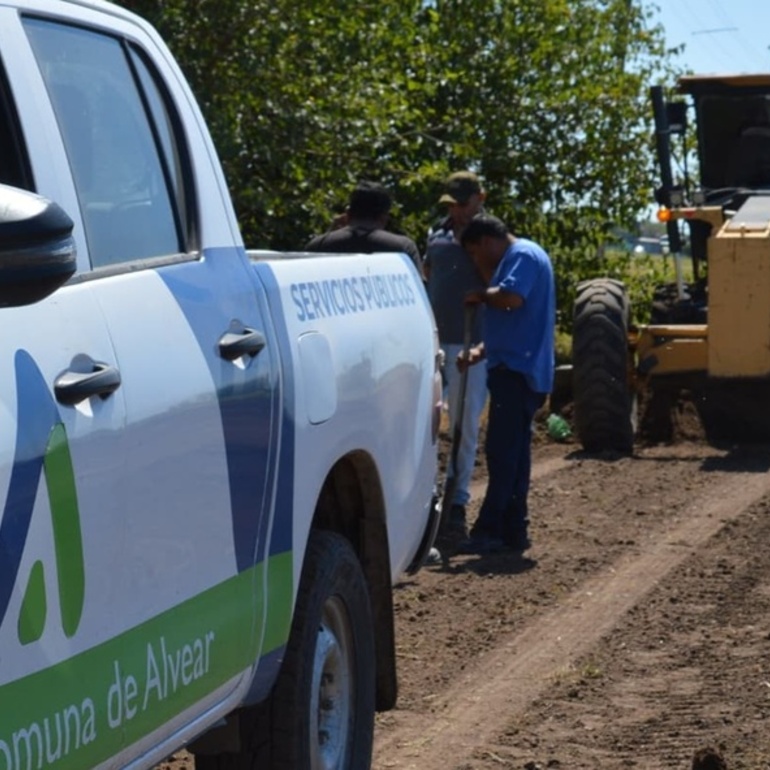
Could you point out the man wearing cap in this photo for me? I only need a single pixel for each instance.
(363, 228)
(450, 274)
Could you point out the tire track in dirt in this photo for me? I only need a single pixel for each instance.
(476, 708)
(685, 670)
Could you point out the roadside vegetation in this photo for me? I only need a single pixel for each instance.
(546, 99)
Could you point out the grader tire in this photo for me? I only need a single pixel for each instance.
(603, 401)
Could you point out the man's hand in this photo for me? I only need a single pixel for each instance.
(475, 354)
(477, 297)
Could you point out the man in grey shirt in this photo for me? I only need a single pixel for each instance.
(450, 274)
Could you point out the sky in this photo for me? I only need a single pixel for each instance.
(725, 36)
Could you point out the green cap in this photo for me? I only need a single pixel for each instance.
(460, 186)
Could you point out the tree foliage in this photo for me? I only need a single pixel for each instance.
(546, 99)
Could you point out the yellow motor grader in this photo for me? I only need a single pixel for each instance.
(708, 339)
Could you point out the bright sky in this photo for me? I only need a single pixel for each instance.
(725, 36)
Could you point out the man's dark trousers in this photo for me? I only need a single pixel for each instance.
(512, 407)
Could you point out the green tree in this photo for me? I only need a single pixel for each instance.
(546, 99)
(302, 99)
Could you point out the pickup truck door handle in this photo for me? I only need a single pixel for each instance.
(71, 387)
(233, 345)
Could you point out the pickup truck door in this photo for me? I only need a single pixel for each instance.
(62, 419)
(199, 379)
(60, 535)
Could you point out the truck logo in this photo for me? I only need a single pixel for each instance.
(42, 450)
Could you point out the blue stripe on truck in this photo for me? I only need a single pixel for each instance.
(283, 526)
(243, 403)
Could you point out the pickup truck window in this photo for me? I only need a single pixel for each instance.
(14, 166)
(174, 151)
(123, 180)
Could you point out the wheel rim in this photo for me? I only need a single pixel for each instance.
(332, 689)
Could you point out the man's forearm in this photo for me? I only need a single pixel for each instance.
(502, 300)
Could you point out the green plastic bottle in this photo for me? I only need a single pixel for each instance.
(558, 428)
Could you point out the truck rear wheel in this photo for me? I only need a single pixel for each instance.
(603, 401)
(320, 714)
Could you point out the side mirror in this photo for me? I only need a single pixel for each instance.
(37, 251)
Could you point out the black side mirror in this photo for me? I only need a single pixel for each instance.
(37, 251)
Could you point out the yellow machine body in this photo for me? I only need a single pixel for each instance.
(736, 341)
(739, 293)
(709, 342)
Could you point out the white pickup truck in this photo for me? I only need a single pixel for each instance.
(214, 463)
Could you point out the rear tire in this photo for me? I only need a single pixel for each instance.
(603, 401)
(320, 715)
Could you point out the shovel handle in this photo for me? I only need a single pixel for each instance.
(449, 488)
(468, 319)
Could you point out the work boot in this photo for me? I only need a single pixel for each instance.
(520, 542)
(482, 544)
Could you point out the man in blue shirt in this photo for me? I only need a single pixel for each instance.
(518, 347)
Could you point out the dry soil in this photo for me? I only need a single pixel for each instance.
(635, 633)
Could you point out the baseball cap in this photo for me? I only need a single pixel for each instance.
(460, 186)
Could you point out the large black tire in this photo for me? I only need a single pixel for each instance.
(320, 715)
(604, 404)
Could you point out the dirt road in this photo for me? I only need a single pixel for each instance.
(637, 633)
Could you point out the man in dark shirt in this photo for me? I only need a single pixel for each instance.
(364, 232)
